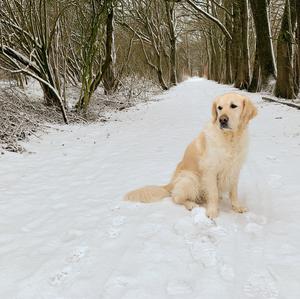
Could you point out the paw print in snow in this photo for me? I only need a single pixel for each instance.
(74, 258)
(258, 219)
(61, 276)
(253, 228)
(113, 233)
(118, 220)
(77, 254)
(204, 251)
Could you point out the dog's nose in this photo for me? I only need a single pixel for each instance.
(223, 119)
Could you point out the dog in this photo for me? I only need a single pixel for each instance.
(212, 162)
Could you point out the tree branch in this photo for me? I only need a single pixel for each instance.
(210, 17)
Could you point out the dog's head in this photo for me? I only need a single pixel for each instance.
(232, 111)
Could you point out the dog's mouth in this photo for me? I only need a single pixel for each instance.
(224, 127)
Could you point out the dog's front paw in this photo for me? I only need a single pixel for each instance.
(212, 213)
(239, 209)
(190, 205)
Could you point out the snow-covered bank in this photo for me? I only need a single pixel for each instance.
(66, 233)
(24, 112)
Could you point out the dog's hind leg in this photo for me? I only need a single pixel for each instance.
(181, 200)
(186, 189)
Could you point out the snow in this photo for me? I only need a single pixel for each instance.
(66, 233)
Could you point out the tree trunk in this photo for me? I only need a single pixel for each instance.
(172, 37)
(297, 54)
(109, 75)
(235, 44)
(161, 78)
(242, 77)
(243, 70)
(256, 75)
(213, 61)
(228, 48)
(53, 98)
(285, 80)
(264, 42)
(208, 62)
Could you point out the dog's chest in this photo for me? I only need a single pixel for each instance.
(231, 160)
(224, 155)
(224, 160)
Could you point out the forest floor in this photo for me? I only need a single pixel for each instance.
(66, 233)
(24, 113)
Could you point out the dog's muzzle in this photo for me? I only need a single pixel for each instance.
(223, 119)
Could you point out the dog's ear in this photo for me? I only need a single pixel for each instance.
(249, 111)
(214, 113)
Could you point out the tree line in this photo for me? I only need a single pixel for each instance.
(253, 44)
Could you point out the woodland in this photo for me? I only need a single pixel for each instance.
(251, 44)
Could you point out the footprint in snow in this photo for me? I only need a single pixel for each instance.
(118, 220)
(61, 276)
(113, 232)
(185, 227)
(114, 208)
(226, 272)
(258, 219)
(199, 215)
(75, 257)
(272, 158)
(261, 285)
(207, 226)
(178, 287)
(204, 251)
(254, 228)
(118, 285)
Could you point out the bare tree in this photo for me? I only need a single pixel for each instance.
(153, 23)
(108, 68)
(171, 20)
(241, 29)
(297, 53)
(91, 36)
(285, 81)
(265, 56)
(28, 33)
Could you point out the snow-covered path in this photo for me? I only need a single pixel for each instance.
(66, 233)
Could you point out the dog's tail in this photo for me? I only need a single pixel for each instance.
(149, 193)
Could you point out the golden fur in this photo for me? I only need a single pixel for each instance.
(211, 163)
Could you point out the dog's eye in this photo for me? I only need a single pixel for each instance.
(233, 106)
(220, 108)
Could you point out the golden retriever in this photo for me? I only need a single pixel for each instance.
(211, 163)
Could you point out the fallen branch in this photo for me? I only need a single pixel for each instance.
(283, 102)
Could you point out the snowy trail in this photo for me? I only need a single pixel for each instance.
(66, 233)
